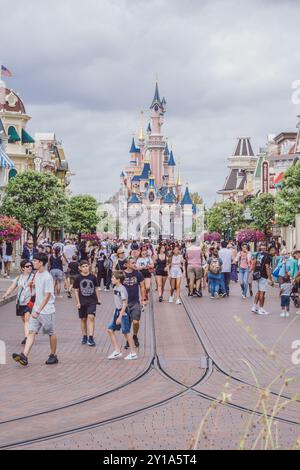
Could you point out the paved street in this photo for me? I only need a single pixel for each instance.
(160, 400)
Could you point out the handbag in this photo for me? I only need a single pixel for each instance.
(31, 302)
(256, 275)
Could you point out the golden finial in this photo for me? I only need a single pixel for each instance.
(179, 182)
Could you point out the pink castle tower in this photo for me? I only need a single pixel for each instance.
(156, 143)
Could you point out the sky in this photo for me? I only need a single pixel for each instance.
(85, 70)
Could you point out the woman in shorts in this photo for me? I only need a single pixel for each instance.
(176, 273)
(161, 270)
(145, 265)
(23, 284)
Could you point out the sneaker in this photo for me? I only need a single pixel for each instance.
(21, 358)
(251, 293)
(136, 341)
(69, 295)
(24, 341)
(282, 314)
(199, 293)
(190, 295)
(126, 345)
(90, 341)
(254, 309)
(131, 357)
(212, 297)
(243, 296)
(223, 295)
(160, 299)
(217, 295)
(287, 314)
(262, 311)
(297, 312)
(178, 302)
(52, 359)
(84, 340)
(115, 355)
(170, 299)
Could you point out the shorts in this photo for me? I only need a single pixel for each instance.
(146, 274)
(86, 310)
(175, 273)
(45, 321)
(7, 259)
(72, 278)
(194, 273)
(285, 301)
(161, 273)
(125, 322)
(21, 310)
(135, 311)
(262, 284)
(57, 274)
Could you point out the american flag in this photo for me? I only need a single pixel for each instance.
(5, 72)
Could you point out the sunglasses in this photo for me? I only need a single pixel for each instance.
(121, 253)
(28, 266)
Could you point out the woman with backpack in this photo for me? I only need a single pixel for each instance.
(25, 294)
(214, 269)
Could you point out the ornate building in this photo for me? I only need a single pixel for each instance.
(240, 182)
(151, 188)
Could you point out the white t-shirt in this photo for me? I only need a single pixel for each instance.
(44, 285)
(226, 256)
(69, 251)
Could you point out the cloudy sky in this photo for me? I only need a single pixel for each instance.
(85, 69)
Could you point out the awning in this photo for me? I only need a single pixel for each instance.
(5, 161)
(279, 177)
(26, 138)
(13, 136)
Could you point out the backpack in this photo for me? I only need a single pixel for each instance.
(215, 266)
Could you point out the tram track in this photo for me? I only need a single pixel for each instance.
(154, 364)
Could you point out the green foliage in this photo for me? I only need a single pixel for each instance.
(196, 198)
(263, 212)
(37, 200)
(287, 202)
(226, 216)
(82, 214)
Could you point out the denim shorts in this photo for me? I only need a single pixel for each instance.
(125, 323)
(262, 284)
(285, 301)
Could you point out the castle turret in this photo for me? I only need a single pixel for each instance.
(156, 144)
(171, 169)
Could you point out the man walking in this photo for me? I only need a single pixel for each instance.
(226, 256)
(43, 312)
(194, 268)
(262, 273)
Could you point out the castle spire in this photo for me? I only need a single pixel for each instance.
(156, 98)
(142, 134)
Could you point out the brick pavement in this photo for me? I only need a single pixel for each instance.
(171, 425)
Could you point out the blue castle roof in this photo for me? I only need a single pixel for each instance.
(166, 152)
(186, 200)
(171, 161)
(149, 128)
(156, 99)
(134, 199)
(133, 148)
(168, 199)
(146, 171)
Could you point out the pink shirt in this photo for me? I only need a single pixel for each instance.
(193, 254)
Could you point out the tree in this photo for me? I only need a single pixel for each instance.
(196, 198)
(225, 217)
(37, 200)
(82, 214)
(287, 201)
(263, 212)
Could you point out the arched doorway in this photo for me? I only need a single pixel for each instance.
(151, 231)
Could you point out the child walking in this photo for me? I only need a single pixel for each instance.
(285, 292)
(121, 319)
(87, 294)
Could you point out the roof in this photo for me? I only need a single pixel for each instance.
(171, 161)
(285, 136)
(134, 199)
(257, 173)
(13, 136)
(18, 103)
(136, 178)
(146, 171)
(149, 128)
(133, 148)
(166, 151)
(243, 148)
(186, 198)
(156, 98)
(233, 182)
(122, 174)
(168, 199)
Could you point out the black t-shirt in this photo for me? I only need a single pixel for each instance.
(120, 265)
(262, 259)
(87, 289)
(9, 249)
(73, 268)
(132, 282)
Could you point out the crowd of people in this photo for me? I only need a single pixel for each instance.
(81, 269)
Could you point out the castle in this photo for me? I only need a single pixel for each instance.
(151, 188)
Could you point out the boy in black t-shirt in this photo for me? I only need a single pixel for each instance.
(87, 294)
